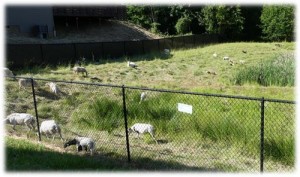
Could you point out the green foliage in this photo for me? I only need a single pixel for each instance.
(183, 25)
(139, 15)
(223, 20)
(163, 19)
(155, 27)
(100, 114)
(278, 22)
(279, 71)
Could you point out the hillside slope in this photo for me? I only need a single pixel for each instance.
(183, 70)
(110, 30)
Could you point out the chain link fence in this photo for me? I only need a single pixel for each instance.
(193, 131)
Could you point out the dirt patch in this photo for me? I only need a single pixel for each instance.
(107, 31)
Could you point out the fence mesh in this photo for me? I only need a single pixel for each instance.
(191, 131)
(279, 136)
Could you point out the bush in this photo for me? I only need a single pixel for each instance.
(155, 28)
(183, 25)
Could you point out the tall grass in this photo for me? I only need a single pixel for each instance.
(100, 114)
(279, 71)
(217, 119)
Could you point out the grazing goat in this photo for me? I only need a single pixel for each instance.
(131, 64)
(26, 83)
(141, 128)
(78, 69)
(143, 96)
(225, 58)
(21, 119)
(211, 72)
(53, 87)
(49, 127)
(8, 73)
(82, 142)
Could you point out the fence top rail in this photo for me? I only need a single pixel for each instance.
(162, 90)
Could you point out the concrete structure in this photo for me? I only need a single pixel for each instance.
(30, 19)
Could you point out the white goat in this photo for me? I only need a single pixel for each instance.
(78, 69)
(8, 73)
(49, 127)
(20, 119)
(242, 62)
(82, 142)
(131, 64)
(26, 83)
(141, 128)
(53, 87)
(225, 58)
(143, 96)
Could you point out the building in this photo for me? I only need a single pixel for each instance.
(39, 20)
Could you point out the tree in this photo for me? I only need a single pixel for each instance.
(140, 15)
(163, 19)
(224, 20)
(278, 22)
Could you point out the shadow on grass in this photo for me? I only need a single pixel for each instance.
(25, 159)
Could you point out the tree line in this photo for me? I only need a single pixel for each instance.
(231, 22)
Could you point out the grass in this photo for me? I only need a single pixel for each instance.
(183, 70)
(279, 71)
(98, 112)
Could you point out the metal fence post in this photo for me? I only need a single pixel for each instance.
(262, 132)
(35, 108)
(125, 121)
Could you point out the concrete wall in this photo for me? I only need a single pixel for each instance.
(26, 17)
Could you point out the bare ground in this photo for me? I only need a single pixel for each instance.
(106, 31)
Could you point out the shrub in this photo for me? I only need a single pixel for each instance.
(183, 25)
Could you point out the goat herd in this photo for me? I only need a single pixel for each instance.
(51, 128)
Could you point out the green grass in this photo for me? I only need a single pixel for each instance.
(92, 110)
(183, 70)
(23, 155)
(279, 71)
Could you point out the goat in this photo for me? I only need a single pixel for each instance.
(82, 142)
(211, 72)
(143, 96)
(141, 128)
(53, 87)
(78, 69)
(20, 119)
(225, 58)
(131, 64)
(49, 127)
(26, 83)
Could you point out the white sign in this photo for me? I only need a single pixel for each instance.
(185, 108)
